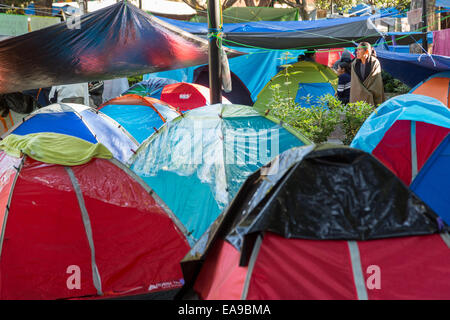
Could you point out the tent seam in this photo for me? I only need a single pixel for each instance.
(7, 209)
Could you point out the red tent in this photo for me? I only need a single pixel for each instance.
(322, 223)
(186, 96)
(328, 57)
(403, 133)
(95, 223)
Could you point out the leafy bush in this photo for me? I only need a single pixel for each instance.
(134, 79)
(320, 120)
(316, 122)
(394, 85)
(354, 116)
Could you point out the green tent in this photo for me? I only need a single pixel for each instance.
(197, 162)
(303, 81)
(245, 14)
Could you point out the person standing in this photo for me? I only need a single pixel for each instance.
(344, 82)
(366, 80)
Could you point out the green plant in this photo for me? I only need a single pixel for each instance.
(354, 115)
(320, 120)
(316, 122)
(134, 79)
(393, 85)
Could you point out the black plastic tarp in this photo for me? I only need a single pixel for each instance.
(322, 33)
(342, 35)
(113, 42)
(318, 193)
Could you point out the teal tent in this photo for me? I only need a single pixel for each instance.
(197, 162)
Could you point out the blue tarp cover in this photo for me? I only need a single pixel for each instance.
(412, 68)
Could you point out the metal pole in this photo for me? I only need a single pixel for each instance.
(215, 84)
(424, 25)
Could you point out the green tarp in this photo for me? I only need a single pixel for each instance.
(244, 14)
(16, 25)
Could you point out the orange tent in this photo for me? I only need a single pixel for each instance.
(436, 86)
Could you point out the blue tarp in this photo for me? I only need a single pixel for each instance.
(443, 3)
(432, 184)
(413, 107)
(324, 33)
(254, 69)
(412, 68)
(262, 26)
(365, 9)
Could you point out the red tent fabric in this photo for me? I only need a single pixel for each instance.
(286, 269)
(328, 57)
(186, 96)
(97, 217)
(322, 222)
(394, 150)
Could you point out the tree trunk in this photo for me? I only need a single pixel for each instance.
(431, 19)
(43, 7)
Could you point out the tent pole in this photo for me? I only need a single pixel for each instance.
(424, 25)
(215, 84)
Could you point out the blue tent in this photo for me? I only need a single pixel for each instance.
(140, 116)
(432, 184)
(412, 68)
(81, 122)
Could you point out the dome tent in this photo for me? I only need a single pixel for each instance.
(187, 96)
(79, 121)
(312, 230)
(197, 162)
(433, 181)
(436, 86)
(140, 116)
(151, 87)
(403, 132)
(305, 79)
(65, 212)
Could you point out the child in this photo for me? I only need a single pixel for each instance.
(344, 75)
